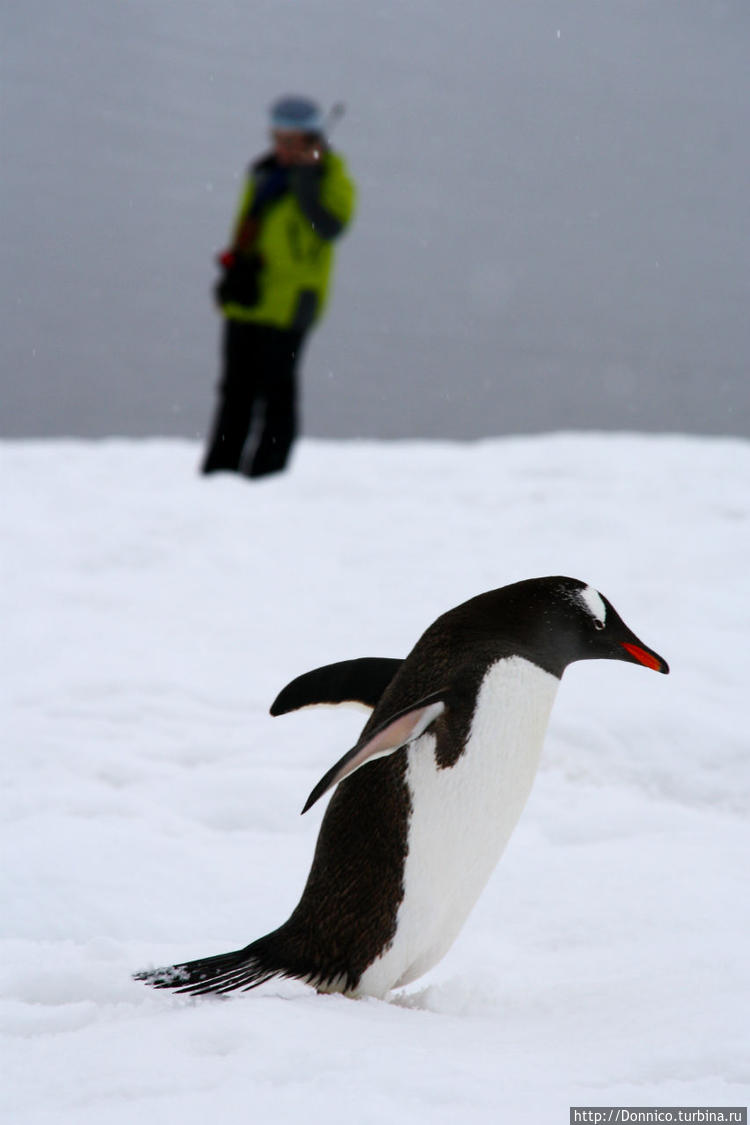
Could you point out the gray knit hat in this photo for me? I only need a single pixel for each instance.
(298, 113)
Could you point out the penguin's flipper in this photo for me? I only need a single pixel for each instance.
(395, 732)
(348, 681)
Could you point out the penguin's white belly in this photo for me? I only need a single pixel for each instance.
(462, 818)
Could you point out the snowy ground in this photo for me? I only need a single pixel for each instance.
(151, 804)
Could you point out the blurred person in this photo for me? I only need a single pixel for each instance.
(275, 280)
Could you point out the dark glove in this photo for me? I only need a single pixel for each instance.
(271, 186)
(306, 182)
(239, 280)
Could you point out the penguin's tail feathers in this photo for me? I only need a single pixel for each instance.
(227, 972)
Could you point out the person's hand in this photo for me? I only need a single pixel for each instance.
(310, 153)
(293, 148)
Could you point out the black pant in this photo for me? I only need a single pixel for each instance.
(259, 371)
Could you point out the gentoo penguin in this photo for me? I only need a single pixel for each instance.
(428, 797)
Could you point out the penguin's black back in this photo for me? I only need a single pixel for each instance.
(348, 910)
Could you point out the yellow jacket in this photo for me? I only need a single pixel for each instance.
(292, 239)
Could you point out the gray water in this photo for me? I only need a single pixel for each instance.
(552, 229)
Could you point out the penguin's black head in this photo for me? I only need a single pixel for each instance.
(553, 622)
(573, 621)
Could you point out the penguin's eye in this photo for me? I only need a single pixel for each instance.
(598, 624)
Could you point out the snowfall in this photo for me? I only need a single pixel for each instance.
(151, 804)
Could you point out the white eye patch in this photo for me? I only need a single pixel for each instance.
(593, 603)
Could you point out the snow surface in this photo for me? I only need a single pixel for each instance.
(151, 805)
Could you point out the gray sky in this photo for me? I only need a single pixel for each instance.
(552, 229)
